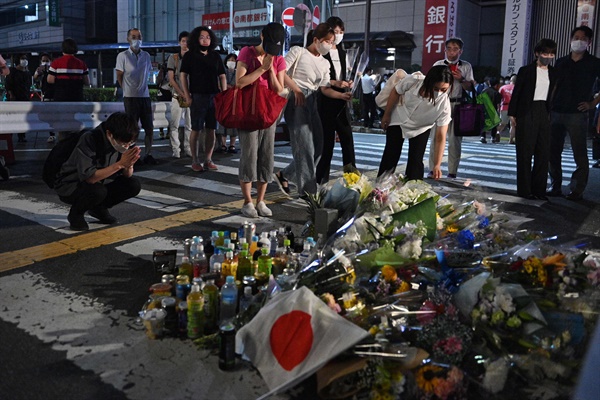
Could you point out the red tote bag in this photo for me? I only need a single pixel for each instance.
(250, 108)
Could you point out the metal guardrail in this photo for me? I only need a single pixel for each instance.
(16, 117)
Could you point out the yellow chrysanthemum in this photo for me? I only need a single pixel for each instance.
(389, 273)
(351, 178)
(452, 229)
(404, 287)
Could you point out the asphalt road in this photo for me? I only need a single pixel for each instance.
(68, 314)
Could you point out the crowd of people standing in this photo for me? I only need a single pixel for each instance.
(546, 101)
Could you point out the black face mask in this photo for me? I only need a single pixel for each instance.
(203, 48)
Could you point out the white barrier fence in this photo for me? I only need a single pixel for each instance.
(21, 116)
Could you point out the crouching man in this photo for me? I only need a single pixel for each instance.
(98, 174)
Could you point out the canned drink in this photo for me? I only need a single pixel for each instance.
(227, 348)
(171, 320)
(249, 231)
(182, 287)
(170, 279)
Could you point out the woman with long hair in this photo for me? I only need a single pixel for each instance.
(206, 72)
(425, 103)
(334, 113)
(264, 65)
(310, 74)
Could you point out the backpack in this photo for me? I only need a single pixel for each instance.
(61, 152)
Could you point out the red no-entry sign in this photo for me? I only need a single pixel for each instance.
(287, 16)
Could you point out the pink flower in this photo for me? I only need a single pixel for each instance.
(443, 389)
(428, 316)
(450, 345)
(594, 277)
(455, 375)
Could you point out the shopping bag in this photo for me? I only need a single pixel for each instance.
(251, 108)
(469, 117)
(492, 119)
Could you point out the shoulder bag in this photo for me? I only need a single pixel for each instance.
(251, 108)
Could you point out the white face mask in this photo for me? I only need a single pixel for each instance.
(118, 147)
(45, 63)
(136, 43)
(24, 63)
(338, 38)
(437, 94)
(323, 48)
(579, 46)
(231, 64)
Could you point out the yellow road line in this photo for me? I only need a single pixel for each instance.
(24, 257)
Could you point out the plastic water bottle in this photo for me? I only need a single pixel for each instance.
(218, 257)
(199, 262)
(229, 295)
(305, 255)
(246, 299)
(274, 243)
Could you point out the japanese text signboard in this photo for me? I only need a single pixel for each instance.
(216, 21)
(257, 17)
(516, 35)
(53, 13)
(440, 24)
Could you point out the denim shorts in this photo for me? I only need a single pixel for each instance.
(202, 111)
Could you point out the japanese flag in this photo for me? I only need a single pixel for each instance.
(293, 336)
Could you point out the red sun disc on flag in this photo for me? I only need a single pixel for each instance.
(291, 339)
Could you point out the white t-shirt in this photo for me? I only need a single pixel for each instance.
(310, 72)
(542, 85)
(136, 69)
(417, 114)
(337, 64)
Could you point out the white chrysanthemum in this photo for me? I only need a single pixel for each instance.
(503, 301)
(410, 248)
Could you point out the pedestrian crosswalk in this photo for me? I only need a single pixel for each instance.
(489, 166)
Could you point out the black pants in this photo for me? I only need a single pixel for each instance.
(369, 109)
(333, 123)
(393, 150)
(88, 196)
(532, 138)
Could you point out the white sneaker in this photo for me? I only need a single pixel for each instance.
(249, 211)
(176, 154)
(263, 210)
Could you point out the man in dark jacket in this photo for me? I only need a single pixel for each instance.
(576, 74)
(98, 174)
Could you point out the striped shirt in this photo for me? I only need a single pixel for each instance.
(69, 72)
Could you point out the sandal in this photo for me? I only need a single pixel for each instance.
(223, 149)
(232, 150)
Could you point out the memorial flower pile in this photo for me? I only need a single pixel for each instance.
(459, 302)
